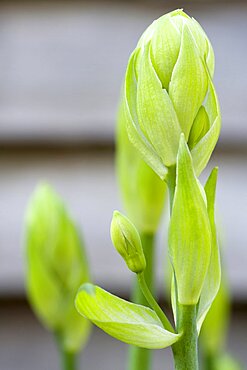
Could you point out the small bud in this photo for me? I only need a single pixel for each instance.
(127, 242)
(169, 91)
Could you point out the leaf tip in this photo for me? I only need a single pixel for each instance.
(87, 288)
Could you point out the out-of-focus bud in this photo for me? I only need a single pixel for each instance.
(143, 192)
(56, 267)
(189, 231)
(214, 328)
(127, 242)
(169, 90)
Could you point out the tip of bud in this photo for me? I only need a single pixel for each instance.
(127, 242)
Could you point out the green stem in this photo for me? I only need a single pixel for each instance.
(140, 358)
(68, 359)
(208, 362)
(185, 351)
(152, 302)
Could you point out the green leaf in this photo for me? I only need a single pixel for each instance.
(128, 322)
(189, 230)
(202, 151)
(134, 131)
(212, 281)
(156, 113)
(189, 82)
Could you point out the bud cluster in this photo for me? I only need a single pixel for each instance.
(169, 91)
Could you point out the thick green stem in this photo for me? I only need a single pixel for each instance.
(140, 358)
(68, 359)
(185, 351)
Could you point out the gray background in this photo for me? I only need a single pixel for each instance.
(61, 68)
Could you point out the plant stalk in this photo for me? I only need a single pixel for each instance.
(67, 358)
(140, 358)
(185, 351)
(152, 302)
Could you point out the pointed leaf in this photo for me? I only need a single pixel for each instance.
(128, 322)
(189, 230)
(212, 281)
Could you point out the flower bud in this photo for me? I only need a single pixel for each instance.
(143, 192)
(169, 90)
(127, 242)
(56, 267)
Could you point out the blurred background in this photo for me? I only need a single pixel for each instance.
(61, 68)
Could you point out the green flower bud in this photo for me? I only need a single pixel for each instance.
(143, 192)
(169, 90)
(127, 242)
(56, 267)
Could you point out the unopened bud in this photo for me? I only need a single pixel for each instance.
(127, 242)
(169, 91)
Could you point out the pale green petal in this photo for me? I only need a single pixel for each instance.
(212, 281)
(189, 82)
(199, 128)
(128, 322)
(189, 231)
(203, 44)
(142, 190)
(156, 114)
(135, 134)
(202, 151)
(165, 47)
